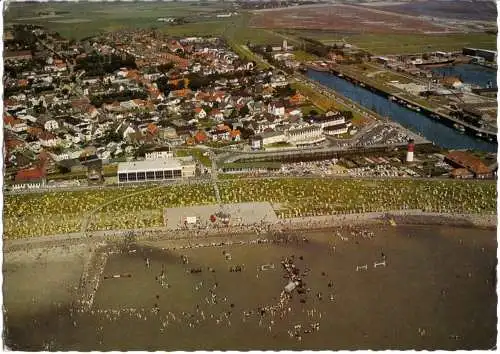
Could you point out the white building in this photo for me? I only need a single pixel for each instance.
(276, 109)
(311, 134)
(278, 81)
(273, 138)
(156, 155)
(51, 125)
(19, 126)
(337, 129)
(329, 121)
(155, 170)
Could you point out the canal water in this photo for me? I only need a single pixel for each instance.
(432, 130)
(470, 74)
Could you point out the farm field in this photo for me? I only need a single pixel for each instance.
(80, 20)
(383, 44)
(342, 18)
(140, 207)
(483, 10)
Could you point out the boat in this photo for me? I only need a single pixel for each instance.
(340, 75)
(479, 134)
(417, 109)
(435, 63)
(392, 98)
(361, 84)
(459, 127)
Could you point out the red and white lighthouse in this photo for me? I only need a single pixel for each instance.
(411, 149)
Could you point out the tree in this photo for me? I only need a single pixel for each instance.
(244, 111)
(164, 68)
(112, 136)
(63, 169)
(246, 132)
(347, 114)
(234, 114)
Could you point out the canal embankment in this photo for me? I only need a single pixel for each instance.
(432, 128)
(416, 106)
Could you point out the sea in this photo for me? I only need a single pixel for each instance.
(403, 287)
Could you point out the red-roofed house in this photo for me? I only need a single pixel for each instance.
(221, 132)
(152, 129)
(8, 120)
(217, 115)
(200, 137)
(30, 178)
(179, 93)
(48, 139)
(200, 113)
(12, 144)
(297, 99)
(175, 46)
(235, 135)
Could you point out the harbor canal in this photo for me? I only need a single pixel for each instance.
(432, 130)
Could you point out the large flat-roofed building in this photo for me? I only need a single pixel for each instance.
(489, 55)
(155, 170)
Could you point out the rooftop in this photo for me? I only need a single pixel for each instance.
(468, 161)
(149, 165)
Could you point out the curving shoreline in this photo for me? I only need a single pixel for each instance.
(406, 217)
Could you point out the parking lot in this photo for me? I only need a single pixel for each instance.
(371, 166)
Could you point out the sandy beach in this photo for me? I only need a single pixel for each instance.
(406, 217)
(435, 290)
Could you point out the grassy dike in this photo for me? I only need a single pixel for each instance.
(52, 213)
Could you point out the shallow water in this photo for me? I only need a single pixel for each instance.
(437, 279)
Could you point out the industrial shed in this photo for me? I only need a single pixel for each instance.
(155, 170)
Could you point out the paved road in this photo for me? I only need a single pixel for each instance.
(204, 180)
(214, 178)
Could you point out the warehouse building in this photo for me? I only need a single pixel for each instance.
(163, 169)
(488, 55)
(465, 160)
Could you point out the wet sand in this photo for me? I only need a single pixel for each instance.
(436, 291)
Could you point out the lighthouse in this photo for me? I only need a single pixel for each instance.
(411, 149)
(285, 46)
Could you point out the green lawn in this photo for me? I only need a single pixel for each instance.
(300, 55)
(396, 44)
(197, 154)
(322, 103)
(403, 43)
